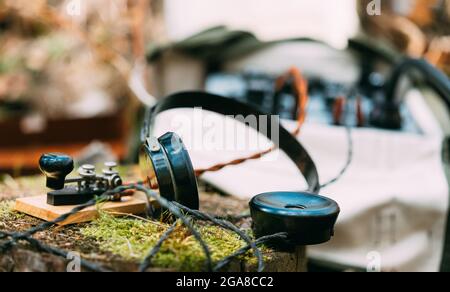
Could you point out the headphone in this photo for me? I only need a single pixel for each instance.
(387, 113)
(307, 217)
(165, 164)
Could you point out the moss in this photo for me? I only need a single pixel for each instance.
(128, 238)
(132, 239)
(7, 211)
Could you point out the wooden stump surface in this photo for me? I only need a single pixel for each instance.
(24, 258)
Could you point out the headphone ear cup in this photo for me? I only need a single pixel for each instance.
(166, 165)
(308, 219)
(182, 170)
(155, 168)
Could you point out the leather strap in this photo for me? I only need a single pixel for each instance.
(229, 107)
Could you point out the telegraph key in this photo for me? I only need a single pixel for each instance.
(85, 187)
(67, 193)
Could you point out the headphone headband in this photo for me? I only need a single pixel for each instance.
(229, 107)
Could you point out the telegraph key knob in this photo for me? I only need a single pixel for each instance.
(56, 167)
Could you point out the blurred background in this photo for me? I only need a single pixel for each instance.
(65, 66)
(75, 76)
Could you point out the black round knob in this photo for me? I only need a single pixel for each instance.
(56, 167)
(308, 219)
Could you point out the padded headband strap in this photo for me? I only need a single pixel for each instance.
(229, 107)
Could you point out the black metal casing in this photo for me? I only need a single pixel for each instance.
(307, 218)
(172, 168)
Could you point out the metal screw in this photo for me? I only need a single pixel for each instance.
(153, 144)
(88, 167)
(110, 165)
(87, 170)
(110, 168)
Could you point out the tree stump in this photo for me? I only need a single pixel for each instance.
(24, 258)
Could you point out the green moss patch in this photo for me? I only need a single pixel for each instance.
(7, 212)
(133, 239)
(127, 239)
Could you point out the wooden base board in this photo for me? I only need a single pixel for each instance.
(38, 207)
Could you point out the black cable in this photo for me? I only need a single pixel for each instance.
(174, 208)
(44, 226)
(348, 161)
(24, 235)
(165, 204)
(227, 260)
(148, 259)
(59, 252)
(227, 225)
(51, 250)
(107, 195)
(435, 78)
